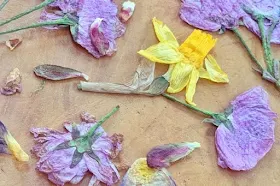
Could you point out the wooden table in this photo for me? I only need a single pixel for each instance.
(144, 121)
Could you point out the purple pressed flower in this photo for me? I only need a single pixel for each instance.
(97, 24)
(246, 131)
(162, 156)
(67, 156)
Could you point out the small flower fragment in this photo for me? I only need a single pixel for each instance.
(67, 156)
(56, 73)
(8, 144)
(186, 61)
(126, 11)
(245, 131)
(13, 43)
(13, 83)
(162, 156)
(140, 174)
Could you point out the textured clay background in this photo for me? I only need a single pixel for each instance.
(144, 121)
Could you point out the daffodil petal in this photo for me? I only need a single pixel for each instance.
(164, 33)
(163, 53)
(197, 46)
(190, 89)
(15, 148)
(213, 71)
(179, 77)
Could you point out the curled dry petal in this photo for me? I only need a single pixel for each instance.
(126, 11)
(13, 43)
(13, 83)
(54, 72)
(162, 156)
(8, 144)
(247, 134)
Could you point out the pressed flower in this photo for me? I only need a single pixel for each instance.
(162, 156)
(67, 156)
(186, 60)
(79, 15)
(8, 144)
(13, 83)
(260, 17)
(140, 174)
(127, 10)
(54, 72)
(245, 130)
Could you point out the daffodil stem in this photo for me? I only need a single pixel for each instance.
(100, 122)
(62, 21)
(3, 4)
(42, 5)
(208, 113)
(238, 34)
(266, 44)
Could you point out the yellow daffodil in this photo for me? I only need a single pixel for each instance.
(186, 61)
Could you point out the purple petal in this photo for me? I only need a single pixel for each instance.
(252, 133)
(104, 171)
(211, 15)
(112, 28)
(162, 156)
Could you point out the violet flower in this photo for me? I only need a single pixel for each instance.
(162, 156)
(260, 17)
(67, 156)
(80, 15)
(245, 130)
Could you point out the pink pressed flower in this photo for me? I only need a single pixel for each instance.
(245, 131)
(67, 156)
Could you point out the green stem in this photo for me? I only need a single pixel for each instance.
(62, 21)
(238, 34)
(100, 122)
(208, 113)
(265, 44)
(3, 4)
(43, 4)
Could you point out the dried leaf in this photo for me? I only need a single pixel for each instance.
(13, 83)
(13, 43)
(56, 73)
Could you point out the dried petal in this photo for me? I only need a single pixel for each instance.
(9, 144)
(13, 43)
(54, 72)
(98, 38)
(13, 83)
(126, 11)
(162, 156)
(140, 174)
(251, 134)
(112, 28)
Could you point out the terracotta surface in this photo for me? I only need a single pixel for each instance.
(144, 121)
